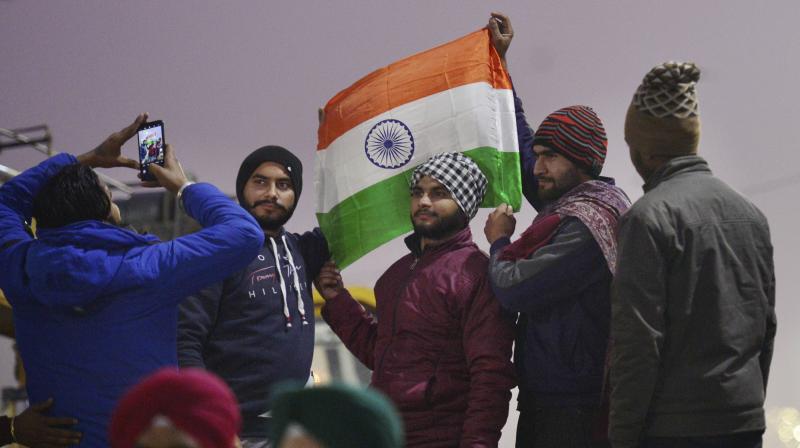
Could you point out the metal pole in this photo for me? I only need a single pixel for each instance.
(46, 150)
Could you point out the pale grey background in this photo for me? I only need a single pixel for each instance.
(228, 77)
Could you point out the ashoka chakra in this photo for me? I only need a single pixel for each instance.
(389, 144)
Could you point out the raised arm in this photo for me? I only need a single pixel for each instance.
(229, 240)
(17, 195)
(527, 158)
(564, 265)
(502, 33)
(16, 199)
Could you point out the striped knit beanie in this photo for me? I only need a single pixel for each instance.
(663, 118)
(576, 133)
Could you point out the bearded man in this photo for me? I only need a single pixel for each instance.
(441, 350)
(256, 328)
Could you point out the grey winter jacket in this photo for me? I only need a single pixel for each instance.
(693, 310)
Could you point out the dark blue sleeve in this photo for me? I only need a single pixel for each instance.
(16, 198)
(314, 248)
(571, 262)
(527, 158)
(229, 241)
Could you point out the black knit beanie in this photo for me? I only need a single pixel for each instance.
(276, 154)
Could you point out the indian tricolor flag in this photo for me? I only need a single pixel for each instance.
(455, 97)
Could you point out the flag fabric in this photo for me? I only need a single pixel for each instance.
(453, 98)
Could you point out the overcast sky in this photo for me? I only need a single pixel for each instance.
(228, 77)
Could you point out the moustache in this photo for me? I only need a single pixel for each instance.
(267, 201)
(425, 213)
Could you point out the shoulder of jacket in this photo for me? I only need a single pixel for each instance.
(469, 264)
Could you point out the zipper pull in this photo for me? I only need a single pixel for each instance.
(414, 264)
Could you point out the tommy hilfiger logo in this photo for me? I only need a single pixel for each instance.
(262, 274)
(270, 275)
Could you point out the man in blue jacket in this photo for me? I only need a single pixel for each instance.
(557, 275)
(256, 328)
(95, 304)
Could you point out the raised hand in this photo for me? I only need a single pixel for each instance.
(329, 281)
(500, 223)
(501, 32)
(170, 176)
(109, 153)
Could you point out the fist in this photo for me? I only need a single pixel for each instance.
(329, 281)
(500, 223)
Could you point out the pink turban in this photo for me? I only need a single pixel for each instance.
(195, 401)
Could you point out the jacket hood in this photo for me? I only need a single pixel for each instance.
(73, 265)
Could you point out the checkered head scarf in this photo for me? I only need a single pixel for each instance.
(576, 133)
(663, 118)
(460, 175)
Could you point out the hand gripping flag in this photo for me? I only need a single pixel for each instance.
(455, 97)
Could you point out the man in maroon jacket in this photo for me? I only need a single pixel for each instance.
(442, 347)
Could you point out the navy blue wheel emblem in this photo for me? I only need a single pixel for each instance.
(389, 144)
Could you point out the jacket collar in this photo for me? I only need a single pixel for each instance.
(676, 166)
(413, 243)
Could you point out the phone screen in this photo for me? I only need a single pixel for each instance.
(151, 146)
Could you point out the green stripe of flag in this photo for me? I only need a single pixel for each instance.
(380, 213)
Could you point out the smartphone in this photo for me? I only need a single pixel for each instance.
(151, 146)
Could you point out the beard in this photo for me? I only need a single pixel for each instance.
(271, 221)
(557, 187)
(442, 226)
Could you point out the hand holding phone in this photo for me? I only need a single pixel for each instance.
(171, 176)
(151, 147)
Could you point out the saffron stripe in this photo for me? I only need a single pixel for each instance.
(467, 60)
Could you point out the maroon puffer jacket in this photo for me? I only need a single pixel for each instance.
(442, 347)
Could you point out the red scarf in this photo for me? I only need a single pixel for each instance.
(596, 203)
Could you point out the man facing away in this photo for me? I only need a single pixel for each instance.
(441, 350)
(256, 328)
(95, 304)
(694, 297)
(557, 275)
